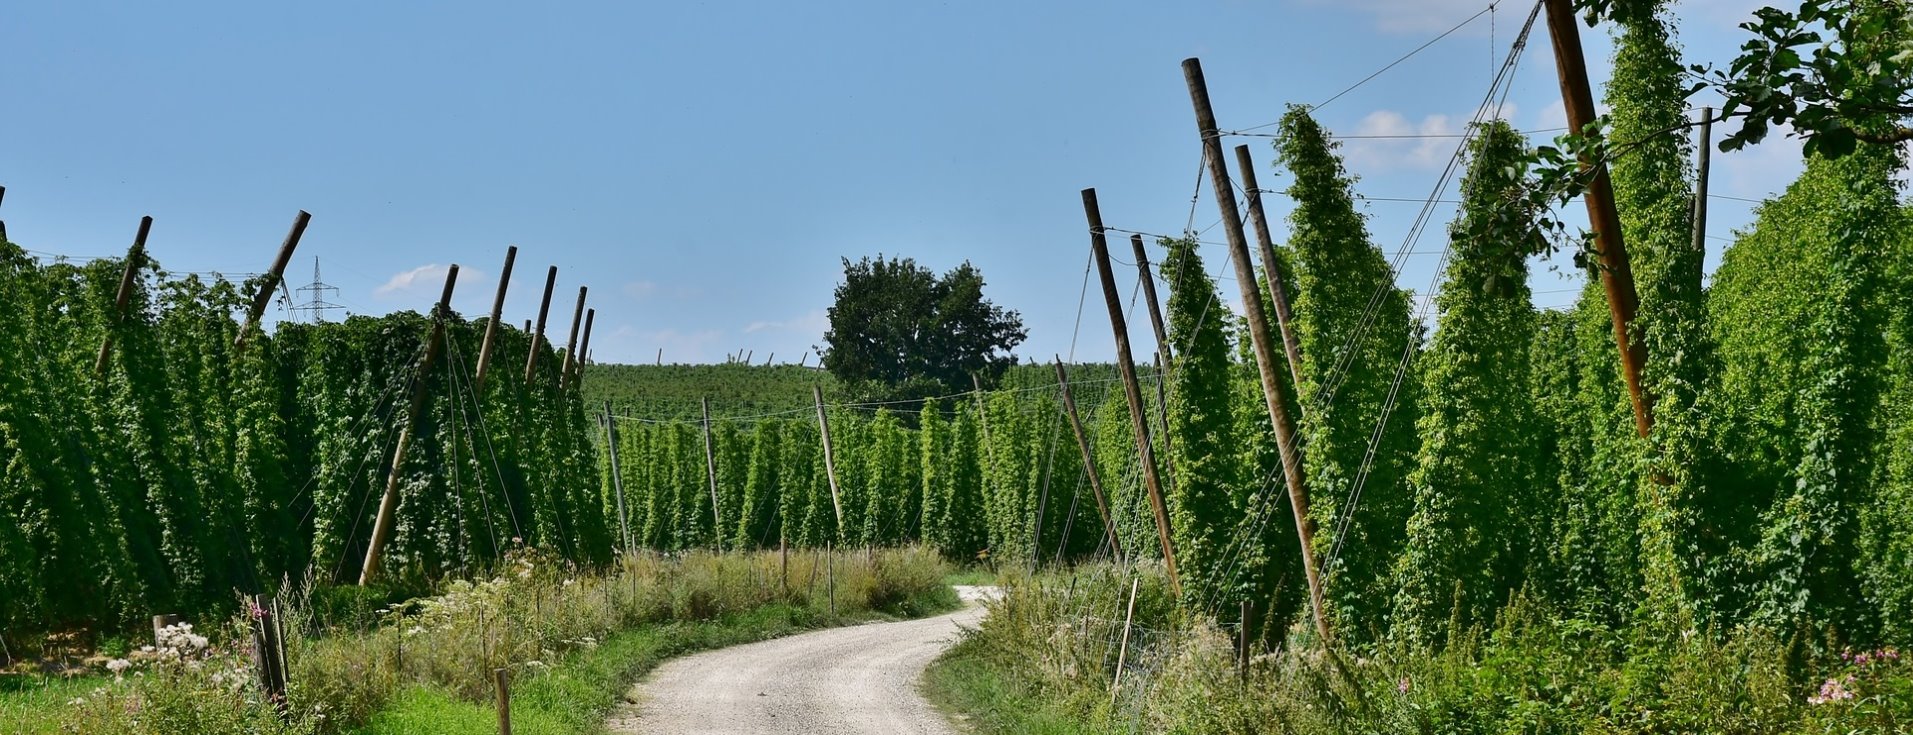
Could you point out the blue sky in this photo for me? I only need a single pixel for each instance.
(702, 166)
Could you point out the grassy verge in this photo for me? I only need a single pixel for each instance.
(964, 684)
(1045, 661)
(576, 695)
(573, 640)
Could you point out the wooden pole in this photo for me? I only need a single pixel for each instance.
(1162, 420)
(1271, 267)
(1700, 178)
(830, 574)
(1242, 645)
(273, 276)
(571, 343)
(501, 679)
(491, 327)
(1617, 275)
(1122, 652)
(584, 349)
(538, 336)
(617, 478)
(266, 661)
(388, 505)
(1089, 460)
(1260, 336)
(710, 473)
(1126, 366)
(830, 459)
(1149, 294)
(3, 225)
(134, 256)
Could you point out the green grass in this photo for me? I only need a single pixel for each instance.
(32, 704)
(967, 687)
(577, 694)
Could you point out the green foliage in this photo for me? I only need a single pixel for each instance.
(1473, 534)
(188, 468)
(899, 331)
(1354, 329)
(1208, 499)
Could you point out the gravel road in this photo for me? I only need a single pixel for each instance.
(859, 679)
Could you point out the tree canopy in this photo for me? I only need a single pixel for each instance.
(900, 331)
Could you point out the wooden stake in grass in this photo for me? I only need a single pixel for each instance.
(1260, 339)
(617, 478)
(1126, 367)
(830, 461)
(491, 327)
(538, 336)
(501, 679)
(134, 255)
(273, 276)
(710, 472)
(388, 505)
(1089, 460)
(1122, 652)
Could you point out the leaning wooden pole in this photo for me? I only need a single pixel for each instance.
(134, 256)
(1271, 267)
(538, 335)
(1149, 293)
(491, 327)
(830, 459)
(389, 503)
(710, 474)
(1132, 390)
(1259, 334)
(1700, 178)
(273, 276)
(1617, 275)
(1089, 461)
(584, 349)
(571, 343)
(617, 479)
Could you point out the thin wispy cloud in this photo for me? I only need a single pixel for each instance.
(426, 278)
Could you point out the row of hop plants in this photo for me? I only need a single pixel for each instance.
(968, 475)
(349, 656)
(189, 468)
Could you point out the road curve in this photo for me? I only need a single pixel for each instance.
(842, 681)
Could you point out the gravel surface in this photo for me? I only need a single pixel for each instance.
(860, 679)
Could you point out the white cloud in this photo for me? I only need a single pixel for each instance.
(813, 324)
(425, 279)
(1372, 145)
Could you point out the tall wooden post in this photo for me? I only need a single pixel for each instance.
(3, 225)
(830, 459)
(1089, 461)
(491, 327)
(1617, 275)
(388, 505)
(1271, 267)
(1149, 294)
(617, 478)
(1162, 421)
(571, 343)
(538, 336)
(1132, 391)
(134, 256)
(501, 679)
(584, 349)
(1260, 336)
(710, 472)
(273, 276)
(1700, 178)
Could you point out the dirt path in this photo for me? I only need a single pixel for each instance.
(860, 679)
